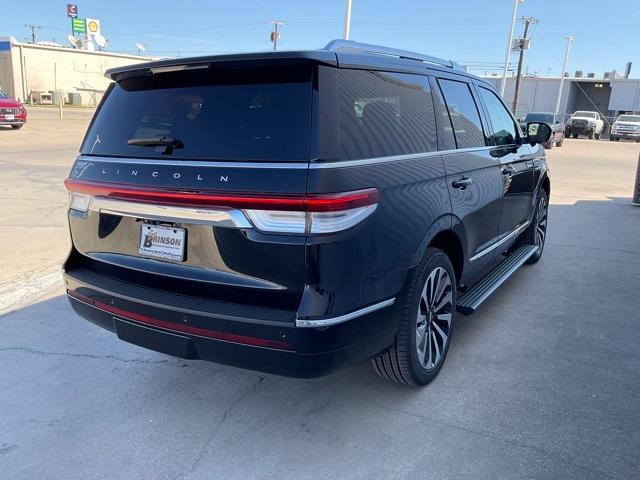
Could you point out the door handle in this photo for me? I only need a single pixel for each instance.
(462, 183)
(509, 171)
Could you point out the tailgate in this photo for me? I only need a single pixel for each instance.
(168, 168)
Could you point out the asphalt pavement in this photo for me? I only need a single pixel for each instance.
(542, 382)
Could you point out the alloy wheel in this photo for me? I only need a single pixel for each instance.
(433, 322)
(541, 223)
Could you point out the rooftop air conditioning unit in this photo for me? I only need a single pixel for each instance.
(591, 75)
(578, 74)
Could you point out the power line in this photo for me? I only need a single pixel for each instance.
(34, 35)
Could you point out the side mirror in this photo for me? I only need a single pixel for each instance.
(538, 132)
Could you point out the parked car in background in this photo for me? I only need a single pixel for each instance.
(12, 112)
(551, 119)
(626, 126)
(297, 212)
(589, 124)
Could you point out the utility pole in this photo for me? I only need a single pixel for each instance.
(503, 84)
(275, 35)
(522, 44)
(564, 69)
(346, 26)
(33, 29)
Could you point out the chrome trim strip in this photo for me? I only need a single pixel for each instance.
(313, 165)
(482, 253)
(302, 165)
(325, 322)
(220, 217)
(392, 158)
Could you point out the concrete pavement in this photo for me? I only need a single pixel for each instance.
(542, 382)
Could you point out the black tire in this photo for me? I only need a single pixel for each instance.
(560, 142)
(590, 135)
(16, 127)
(548, 145)
(532, 235)
(574, 135)
(611, 139)
(400, 362)
(596, 136)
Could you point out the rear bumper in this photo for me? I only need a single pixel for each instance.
(266, 345)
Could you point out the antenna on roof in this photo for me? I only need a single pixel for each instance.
(141, 48)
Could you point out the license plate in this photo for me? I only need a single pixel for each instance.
(9, 117)
(160, 241)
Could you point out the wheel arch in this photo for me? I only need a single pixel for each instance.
(447, 234)
(545, 184)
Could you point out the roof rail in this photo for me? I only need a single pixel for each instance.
(357, 47)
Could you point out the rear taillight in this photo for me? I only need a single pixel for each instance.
(326, 213)
(295, 214)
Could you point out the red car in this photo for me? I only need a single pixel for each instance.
(12, 112)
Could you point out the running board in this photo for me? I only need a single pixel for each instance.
(472, 298)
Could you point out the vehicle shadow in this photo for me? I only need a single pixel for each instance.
(526, 377)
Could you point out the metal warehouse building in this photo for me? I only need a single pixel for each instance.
(26, 69)
(609, 96)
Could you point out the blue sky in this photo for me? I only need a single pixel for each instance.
(606, 34)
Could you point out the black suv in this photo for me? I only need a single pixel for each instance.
(296, 212)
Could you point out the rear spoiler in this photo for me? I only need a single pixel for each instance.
(178, 64)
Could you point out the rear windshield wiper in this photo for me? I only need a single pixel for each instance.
(162, 143)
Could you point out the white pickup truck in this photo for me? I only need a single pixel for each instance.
(585, 123)
(626, 126)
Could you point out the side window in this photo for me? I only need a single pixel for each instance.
(446, 140)
(464, 113)
(504, 130)
(383, 114)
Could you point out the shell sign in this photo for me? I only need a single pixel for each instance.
(93, 26)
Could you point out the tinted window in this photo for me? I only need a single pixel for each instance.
(383, 114)
(225, 114)
(504, 129)
(446, 139)
(3, 95)
(464, 113)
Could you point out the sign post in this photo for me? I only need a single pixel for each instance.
(78, 26)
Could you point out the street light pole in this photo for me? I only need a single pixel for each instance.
(346, 26)
(564, 69)
(503, 84)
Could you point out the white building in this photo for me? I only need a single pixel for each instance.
(539, 94)
(27, 68)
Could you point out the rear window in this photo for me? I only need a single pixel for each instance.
(383, 114)
(539, 117)
(215, 114)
